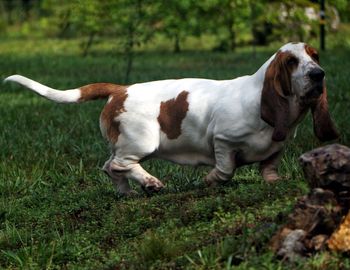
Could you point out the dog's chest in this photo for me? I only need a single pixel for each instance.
(259, 146)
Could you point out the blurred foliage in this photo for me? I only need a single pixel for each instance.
(219, 25)
(140, 24)
(131, 23)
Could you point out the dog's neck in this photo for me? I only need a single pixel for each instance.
(297, 110)
(259, 75)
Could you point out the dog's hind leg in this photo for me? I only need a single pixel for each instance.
(119, 180)
(121, 183)
(148, 182)
(121, 170)
(132, 139)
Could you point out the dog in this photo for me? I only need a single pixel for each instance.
(221, 123)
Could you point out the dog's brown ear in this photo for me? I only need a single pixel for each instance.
(276, 89)
(324, 127)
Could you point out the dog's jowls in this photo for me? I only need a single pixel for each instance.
(223, 124)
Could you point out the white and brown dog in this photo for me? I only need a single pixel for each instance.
(224, 124)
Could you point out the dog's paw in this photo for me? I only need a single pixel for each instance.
(210, 182)
(271, 176)
(216, 177)
(152, 185)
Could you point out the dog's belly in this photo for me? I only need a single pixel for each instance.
(186, 150)
(196, 150)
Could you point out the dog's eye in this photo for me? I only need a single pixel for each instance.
(292, 61)
(314, 56)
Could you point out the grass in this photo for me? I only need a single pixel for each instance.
(59, 211)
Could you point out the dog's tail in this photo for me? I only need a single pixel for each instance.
(81, 94)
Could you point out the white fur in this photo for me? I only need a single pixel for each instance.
(222, 114)
(223, 118)
(67, 96)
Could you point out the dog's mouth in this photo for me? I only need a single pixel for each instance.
(314, 92)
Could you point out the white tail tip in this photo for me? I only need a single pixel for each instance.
(66, 96)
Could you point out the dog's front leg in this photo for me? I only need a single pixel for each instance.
(225, 164)
(268, 167)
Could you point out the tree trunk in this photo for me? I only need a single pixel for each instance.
(177, 48)
(232, 39)
(9, 6)
(64, 24)
(129, 53)
(26, 6)
(253, 27)
(88, 44)
(232, 34)
(129, 63)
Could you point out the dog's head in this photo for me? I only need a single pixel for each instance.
(294, 73)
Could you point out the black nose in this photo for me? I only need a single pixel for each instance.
(316, 74)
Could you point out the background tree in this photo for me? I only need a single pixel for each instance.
(131, 23)
(225, 18)
(89, 18)
(178, 20)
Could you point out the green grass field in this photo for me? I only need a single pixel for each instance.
(58, 210)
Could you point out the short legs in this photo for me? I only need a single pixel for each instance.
(225, 164)
(227, 160)
(120, 172)
(268, 168)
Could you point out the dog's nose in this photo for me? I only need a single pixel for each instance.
(316, 74)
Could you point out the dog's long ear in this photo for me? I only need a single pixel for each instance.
(324, 127)
(276, 89)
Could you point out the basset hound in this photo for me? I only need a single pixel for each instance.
(221, 123)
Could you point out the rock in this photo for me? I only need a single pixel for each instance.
(327, 167)
(317, 214)
(292, 246)
(319, 196)
(278, 239)
(318, 242)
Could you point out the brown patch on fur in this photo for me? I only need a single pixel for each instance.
(277, 86)
(324, 127)
(312, 52)
(171, 114)
(98, 90)
(112, 110)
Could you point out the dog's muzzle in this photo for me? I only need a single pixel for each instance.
(315, 92)
(316, 78)
(316, 75)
